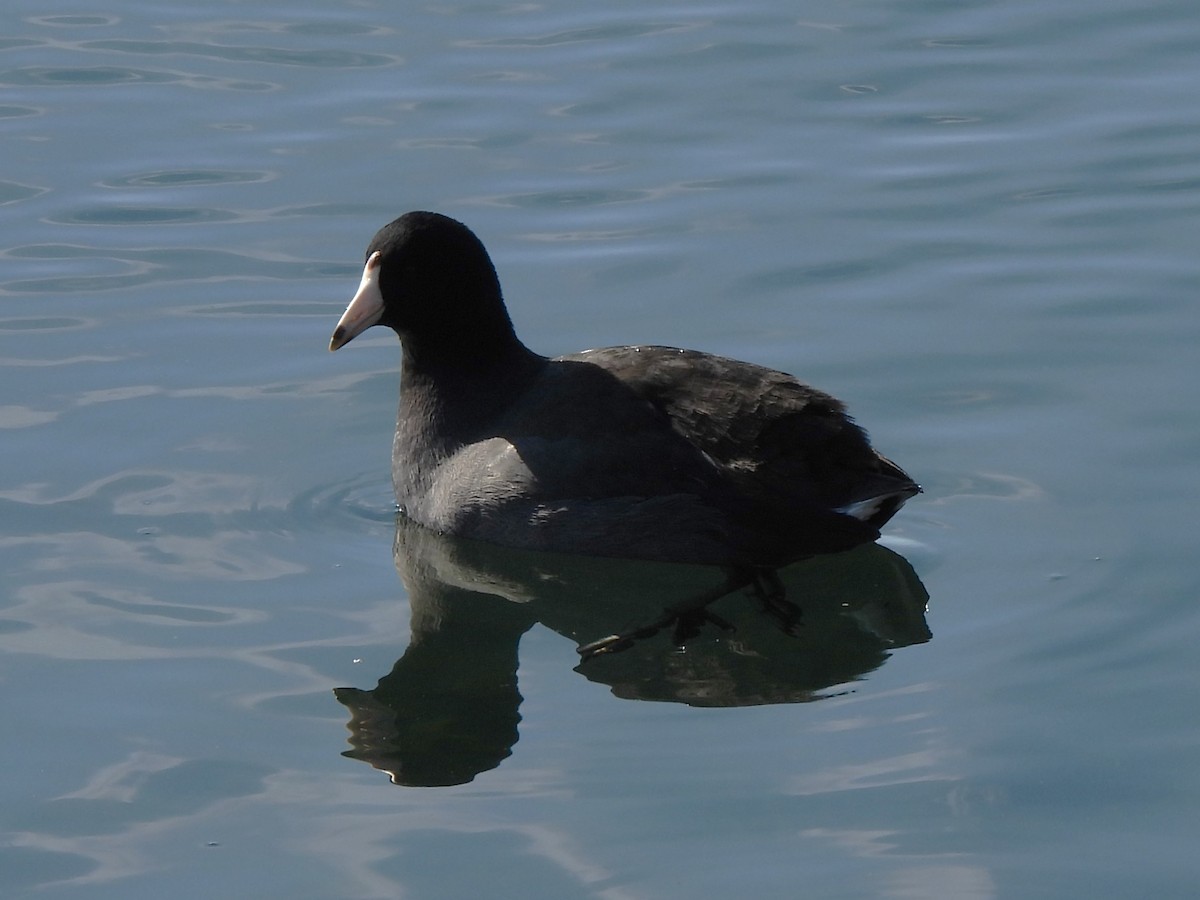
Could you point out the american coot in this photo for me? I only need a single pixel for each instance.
(635, 452)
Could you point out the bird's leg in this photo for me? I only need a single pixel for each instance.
(767, 587)
(688, 617)
(688, 625)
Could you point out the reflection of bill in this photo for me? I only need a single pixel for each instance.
(448, 710)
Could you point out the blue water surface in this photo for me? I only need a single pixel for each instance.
(974, 222)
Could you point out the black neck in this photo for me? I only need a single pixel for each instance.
(457, 392)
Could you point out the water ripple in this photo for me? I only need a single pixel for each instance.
(83, 359)
(19, 112)
(586, 34)
(322, 59)
(109, 76)
(122, 214)
(575, 198)
(45, 323)
(73, 21)
(76, 268)
(24, 417)
(188, 178)
(281, 308)
(181, 504)
(19, 43)
(15, 192)
(77, 76)
(365, 500)
(71, 618)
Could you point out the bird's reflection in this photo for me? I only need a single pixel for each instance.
(448, 710)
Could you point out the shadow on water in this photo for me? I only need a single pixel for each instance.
(449, 708)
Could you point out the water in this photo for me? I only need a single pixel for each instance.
(973, 222)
